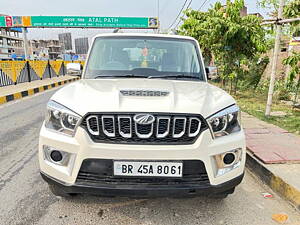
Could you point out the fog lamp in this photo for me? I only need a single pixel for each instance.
(228, 161)
(56, 156)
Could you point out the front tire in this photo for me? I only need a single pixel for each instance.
(59, 192)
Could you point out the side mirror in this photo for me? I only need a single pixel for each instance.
(74, 69)
(208, 75)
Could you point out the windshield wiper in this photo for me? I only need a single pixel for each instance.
(174, 76)
(120, 76)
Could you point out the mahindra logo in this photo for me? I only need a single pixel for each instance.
(144, 119)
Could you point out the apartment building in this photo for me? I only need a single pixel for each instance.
(11, 44)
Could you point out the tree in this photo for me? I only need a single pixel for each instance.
(226, 36)
(292, 6)
(271, 5)
(291, 10)
(293, 61)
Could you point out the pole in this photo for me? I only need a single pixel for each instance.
(275, 59)
(282, 21)
(158, 29)
(25, 40)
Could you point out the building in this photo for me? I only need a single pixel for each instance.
(81, 46)
(55, 49)
(243, 11)
(45, 49)
(11, 44)
(38, 50)
(256, 14)
(65, 40)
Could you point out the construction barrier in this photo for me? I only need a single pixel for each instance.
(15, 72)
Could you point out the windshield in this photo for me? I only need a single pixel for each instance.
(149, 57)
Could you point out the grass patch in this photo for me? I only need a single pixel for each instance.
(254, 103)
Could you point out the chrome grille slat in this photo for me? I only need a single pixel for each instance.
(175, 134)
(93, 125)
(104, 126)
(120, 125)
(167, 128)
(195, 133)
(159, 135)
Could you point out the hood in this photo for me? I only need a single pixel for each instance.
(103, 95)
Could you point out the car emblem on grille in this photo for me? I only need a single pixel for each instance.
(144, 119)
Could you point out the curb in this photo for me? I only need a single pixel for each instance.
(276, 183)
(33, 91)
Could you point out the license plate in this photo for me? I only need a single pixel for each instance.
(148, 169)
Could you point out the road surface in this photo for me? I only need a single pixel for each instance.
(25, 198)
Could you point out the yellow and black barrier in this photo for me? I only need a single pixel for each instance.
(32, 91)
(15, 72)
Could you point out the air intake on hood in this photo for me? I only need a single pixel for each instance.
(124, 129)
(147, 93)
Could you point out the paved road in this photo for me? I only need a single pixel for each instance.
(25, 198)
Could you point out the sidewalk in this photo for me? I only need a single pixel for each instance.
(274, 155)
(13, 92)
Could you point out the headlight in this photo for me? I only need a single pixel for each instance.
(225, 122)
(61, 119)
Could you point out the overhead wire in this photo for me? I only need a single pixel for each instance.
(186, 8)
(205, 1)
(189, 4)
(178, 14)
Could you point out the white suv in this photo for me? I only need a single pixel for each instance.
(142, 121)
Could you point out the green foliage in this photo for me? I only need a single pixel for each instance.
(271, 5)
(282, 92)
(254, 103)
(292, 9)
(293, 61)
(226, 36)
(255, 69)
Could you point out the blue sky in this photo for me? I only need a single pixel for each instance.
(168, 10)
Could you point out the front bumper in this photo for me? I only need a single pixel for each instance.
(141, 190)
(82, 147)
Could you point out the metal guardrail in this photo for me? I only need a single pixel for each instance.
(15, 72)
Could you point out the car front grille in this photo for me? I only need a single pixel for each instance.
(100, 171)
(122, 129)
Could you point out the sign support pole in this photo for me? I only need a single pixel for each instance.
(25, 40)
(158, 12)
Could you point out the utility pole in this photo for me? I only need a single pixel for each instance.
(25, 40)
(275, 59)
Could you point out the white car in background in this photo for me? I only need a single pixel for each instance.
(143, 121)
